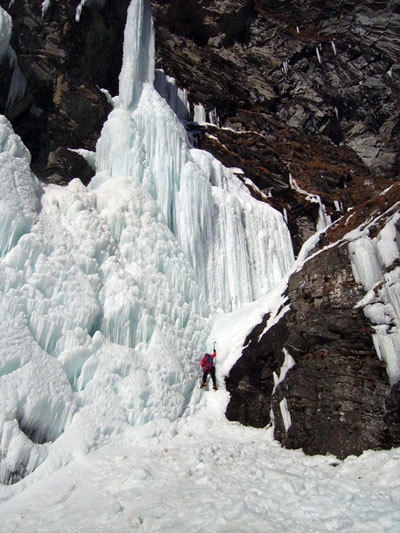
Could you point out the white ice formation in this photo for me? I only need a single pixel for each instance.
(375, 266)
(17, 84)
(107, 293)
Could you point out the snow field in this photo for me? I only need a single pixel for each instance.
(212, 475)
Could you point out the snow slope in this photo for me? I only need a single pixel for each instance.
(204, 473)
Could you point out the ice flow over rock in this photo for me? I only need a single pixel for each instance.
(108, 292)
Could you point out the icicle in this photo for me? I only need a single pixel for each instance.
(138, 64)
(318, 54)
(45, 6)
(213, 117)
(369, 260)
(288, 363)
(287, 421)
(333, 47)
(18, 81)
(177, 98)
(5, 32)
(81, 5)
(337, 113)
(323, 218)
(199, 114)
(338, 206)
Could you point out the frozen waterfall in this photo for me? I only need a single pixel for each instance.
(375, 266)
(239, 248)
(108, 292)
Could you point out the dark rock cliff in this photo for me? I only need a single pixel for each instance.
(336, 389)
(304, 90)
(65, 63)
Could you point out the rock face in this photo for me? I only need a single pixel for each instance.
(63, 64)
(306, 94)
(332, 386)
(329, 69)
(335, 392)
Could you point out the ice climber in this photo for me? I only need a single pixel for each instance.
(207, 364)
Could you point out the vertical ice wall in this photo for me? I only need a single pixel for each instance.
(177, 98)
(374, 264)
(18, 82)
(19, 201)
(101, 317)
(239, 248)
(5, 31)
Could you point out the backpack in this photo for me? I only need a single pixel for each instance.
(209, 362)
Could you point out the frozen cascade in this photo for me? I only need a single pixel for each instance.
(117, 325)
(107, 292)
(19, 200)
(238, 247)
(18, 80)
(323, 218)
(79, 8)
(373, 262)
(199, 114)
(177, 98)
(5, 31)
(138, 53)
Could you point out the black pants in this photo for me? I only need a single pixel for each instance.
(212, 372)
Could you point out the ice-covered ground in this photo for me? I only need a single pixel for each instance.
(212, 476)
(204, 473)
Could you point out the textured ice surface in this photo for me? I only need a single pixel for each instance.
(19, 189)
(18, 82)
(108, 292)
(177, 98)
(373, 262)
(239, 248)
(105, 307)
(5, 31)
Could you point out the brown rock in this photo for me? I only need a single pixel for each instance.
(65, 64)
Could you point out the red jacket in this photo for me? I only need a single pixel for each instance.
(206, 363)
